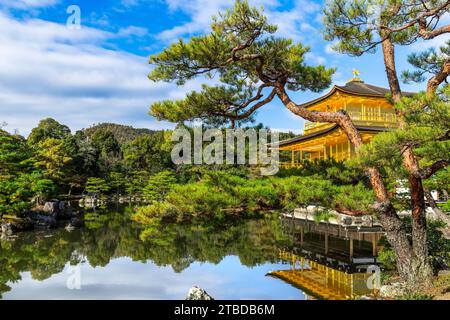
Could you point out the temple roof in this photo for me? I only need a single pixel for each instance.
(356, 87)
(325, 131)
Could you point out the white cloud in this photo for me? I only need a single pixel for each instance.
(315, 59)
(48, 70)
(291, 23)
(132, 31)
(27, 4)
(435, 43)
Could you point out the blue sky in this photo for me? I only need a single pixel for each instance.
(98, 73)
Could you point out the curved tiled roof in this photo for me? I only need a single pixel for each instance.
(358, 88)
(325, 131)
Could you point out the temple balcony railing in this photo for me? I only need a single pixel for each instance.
(290, 165)
(339, 156)
(315, 126)
(368, 119)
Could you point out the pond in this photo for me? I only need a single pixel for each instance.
(251, 259)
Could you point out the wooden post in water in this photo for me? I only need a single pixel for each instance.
(351, 246)
(374, 245)
(301, 237)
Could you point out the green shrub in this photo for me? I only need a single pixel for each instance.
(387, 257)
(219, 194)
(445, 206)
(415, 296)
(323, 215)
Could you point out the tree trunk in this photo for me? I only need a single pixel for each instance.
(438, 78)
(439, 213)
(422, 265)
(421, 270)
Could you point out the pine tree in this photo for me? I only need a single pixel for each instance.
(97, 186)
(360, 27)
(159, 185)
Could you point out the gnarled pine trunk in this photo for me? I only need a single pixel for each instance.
(420, 270)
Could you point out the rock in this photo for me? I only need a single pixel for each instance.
(12, 224)
(58, 210)
(196, 293)
(394, 290)
(366, 221)
(42, 221)
(51, 207)
(66, 213)
(347, 221)
(7, 228)
(70, 227)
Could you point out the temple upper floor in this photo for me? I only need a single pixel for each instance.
(367, 105)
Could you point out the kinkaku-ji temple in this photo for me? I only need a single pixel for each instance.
(366, 104)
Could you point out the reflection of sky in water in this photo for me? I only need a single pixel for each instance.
(124, 279)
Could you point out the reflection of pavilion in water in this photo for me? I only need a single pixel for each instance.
(329, 261)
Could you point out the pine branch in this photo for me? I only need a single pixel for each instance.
(427, 172)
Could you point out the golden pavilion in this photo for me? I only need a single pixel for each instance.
(366, 104)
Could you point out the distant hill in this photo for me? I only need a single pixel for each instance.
(122, 133)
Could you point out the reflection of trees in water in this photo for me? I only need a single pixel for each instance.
(38, 254)
(253, 241)
(44, 254)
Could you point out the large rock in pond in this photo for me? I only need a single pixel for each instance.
(196, 293)
(42, 221)
(51, 207)
(58, 210)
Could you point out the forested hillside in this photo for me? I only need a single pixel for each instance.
(122, 133)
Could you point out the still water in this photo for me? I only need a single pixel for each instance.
(107, 259)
